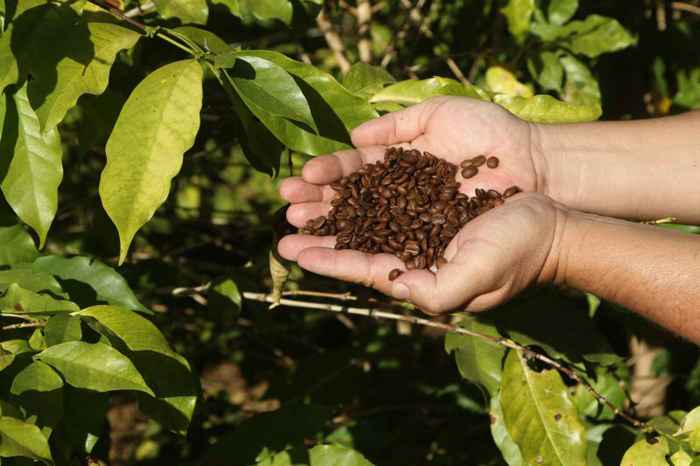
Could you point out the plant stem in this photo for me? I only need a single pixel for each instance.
(34, 324)
(505, 342)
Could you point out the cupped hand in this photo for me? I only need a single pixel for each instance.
(491, 259)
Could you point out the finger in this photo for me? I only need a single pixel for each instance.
(290, 246)
(295, 190)
(326, 169)
(299, 214)
(352, 266)
(396, 127)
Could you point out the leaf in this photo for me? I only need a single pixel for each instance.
(31, 182)
(15, 346)
(477, 361)
(19, 438)
(366, 80)
(144, 152)
(94, 366)
(561, 11)
(336, 455)
(416, 91)
(18, 300)
(224, 296)
(591, 37)
(501, 437)
(502, 81)
(37, 341)
(187, 11)
(547, 109)
(88, 420)
(681, 458)
(688, 94)
(109, 285)
(547, 70)
(137, 332)
(23, 276)
(646, 453)
(279, 274)
(518, 14)
(581, 86)
(260, 10)
(61, 328)
(37, 376)
(74, 78)
(16, 245)
(205, 39)
(539, 415)
(272, 88)
(608, 385)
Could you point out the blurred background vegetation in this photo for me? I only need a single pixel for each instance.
(390, 391)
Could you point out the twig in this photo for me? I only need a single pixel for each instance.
(321, 294)
(457, 72)
(682, 6)
(505, 342)
(661, 221)
(333, 40)
(140, 10)
(364, 19)
(34, 324)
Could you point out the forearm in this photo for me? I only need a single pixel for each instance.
(645, 169)
(650, 270)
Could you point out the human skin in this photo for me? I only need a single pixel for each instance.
(536, 237)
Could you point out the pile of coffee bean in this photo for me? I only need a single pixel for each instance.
(408, 205)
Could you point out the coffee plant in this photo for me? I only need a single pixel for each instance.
(141, 143)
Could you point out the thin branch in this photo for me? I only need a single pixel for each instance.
(139, 10)
(334, 41)
(661, 221)
(34, 324)
(682, 6)
(321, 294)
(456, 71)
(364, 19)
(119, 14)
(505, 342)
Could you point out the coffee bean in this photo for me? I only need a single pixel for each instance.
(394, 274)
(492, 162)
(408, 205)
(470, 172)
(512, 191)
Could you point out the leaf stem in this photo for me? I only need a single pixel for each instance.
(505, 342)
(34, 324)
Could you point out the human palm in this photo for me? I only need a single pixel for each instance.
(451, 128)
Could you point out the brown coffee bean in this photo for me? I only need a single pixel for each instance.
(470, 172)
(394, 274)
(512, 191)
(478, 161)
(492, 162)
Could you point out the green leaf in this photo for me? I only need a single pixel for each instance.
(688, 94)
(681, 458)
(61, 328)
(336, 455)
(94, 366)
(18, 300)
(137, 332)
(74, 78)
(37, 341)
(272, 88)
(187, 11)
(224, 296)
(366, 80)
(9, 70)
(501, 81)
(19, 438)
(581, 86)
(518, 13)
(37, 376)
(144, 152)
(547, 109)
(591, 37)
(16, 245)
(547, 70)
(416, 91)
(260, 10)
(539, 415)
(15, 346)
(109, 285)
(561, 11)
(608, 385)
(6, 359)
(477, 361)
(205, 39)
(31, 181)
(646, 453)
(501, 437)
(87, 421)
(23, 276)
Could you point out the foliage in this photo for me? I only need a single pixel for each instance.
(137, 210)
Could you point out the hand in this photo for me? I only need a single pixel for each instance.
(492, 258)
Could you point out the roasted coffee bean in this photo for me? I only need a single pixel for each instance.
(408, 205)
(512, 191)
(492, 162)
(470, 172)
(394, 274)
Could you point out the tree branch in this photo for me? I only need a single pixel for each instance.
(505, 342)
(364, 19)
(682, 6)
(34, 324)
(334, 41)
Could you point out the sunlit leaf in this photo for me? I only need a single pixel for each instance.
(18, 300)
(61, 328)
(581, 87)
(561, 11)
(501, 437)
(547, 70)
(145, 150)
(416, 91)
(547, 109)
(592, 36)
(366, 80)
(336, 455)
(647, 453)
(19, 438)
(16, 245)
(501, 81)
(37, 376)
(518, 14)
(187, 11)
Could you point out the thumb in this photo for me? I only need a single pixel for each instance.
(396, 127)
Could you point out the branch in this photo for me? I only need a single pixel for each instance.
(364, 19)
(119, 14)
(140, 10)
(334, 41)
(34, 324)
(505, 342)
(456, 71)
(682, 6)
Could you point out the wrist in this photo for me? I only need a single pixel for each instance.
(567, 225)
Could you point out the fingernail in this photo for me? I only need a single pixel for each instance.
(400, 291)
